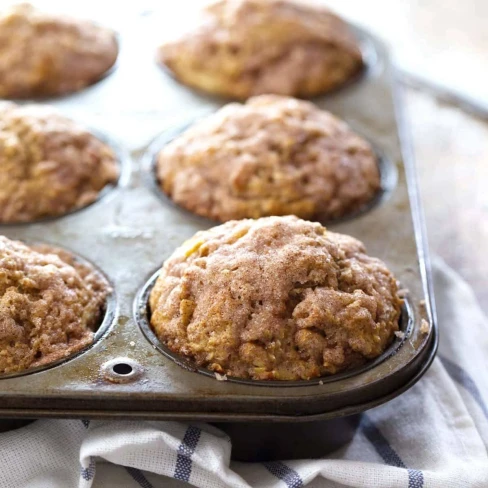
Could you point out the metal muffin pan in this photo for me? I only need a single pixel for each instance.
(130, 234)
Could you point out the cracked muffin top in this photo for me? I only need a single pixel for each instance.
(47, 55)
(275, 298)
(49, 305)
(242, 48)
(49, 165)
(270, 156)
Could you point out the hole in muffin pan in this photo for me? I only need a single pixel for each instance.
(388, 177)
(122, 370)
(108, 192)
(142, 317)
(109, 316)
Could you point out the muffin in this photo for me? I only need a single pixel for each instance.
(47, 55)
(277, 298)
(49, 165)
(250, 47)
(49, 305)
(271, 156)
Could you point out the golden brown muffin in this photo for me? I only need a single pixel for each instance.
(275, 298)
(271, 156)
(250, 47)
(48, 55)
(49, 165)
(49, 305)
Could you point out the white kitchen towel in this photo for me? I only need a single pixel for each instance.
(433, 436)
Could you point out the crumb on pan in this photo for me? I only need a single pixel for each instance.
(424, 327)
(49, 165)
(400, 334)
(403, 292)
(46, 54)
(250, 47)
(297, 302)
(270, 156)
(50, 305)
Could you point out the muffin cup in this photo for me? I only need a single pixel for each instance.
(143, 316)
(387, 170)
(124, 165)
(369, 54)
(108, 316)
(63, 97)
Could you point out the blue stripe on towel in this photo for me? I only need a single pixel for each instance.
(185, 452)
(415, 478)
(462, 377)
(88, 473)
(389, 455)
(138, 477)
(380, 443)
(284, 473)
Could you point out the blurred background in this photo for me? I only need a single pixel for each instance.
(441, 50)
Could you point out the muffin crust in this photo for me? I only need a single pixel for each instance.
(275, 298)
(271, 156)
(46, 55)
(250, 47)
(48, 164)
(49, 305)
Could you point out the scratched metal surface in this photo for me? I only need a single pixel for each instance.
(131, 231)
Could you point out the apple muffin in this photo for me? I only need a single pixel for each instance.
(50, 305)
(242, 48)
(278, 298)
(49, 165)
(272, 155)
(47, 55)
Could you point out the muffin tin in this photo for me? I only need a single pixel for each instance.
(128, 234)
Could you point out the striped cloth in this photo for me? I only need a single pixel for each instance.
(433, 436)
